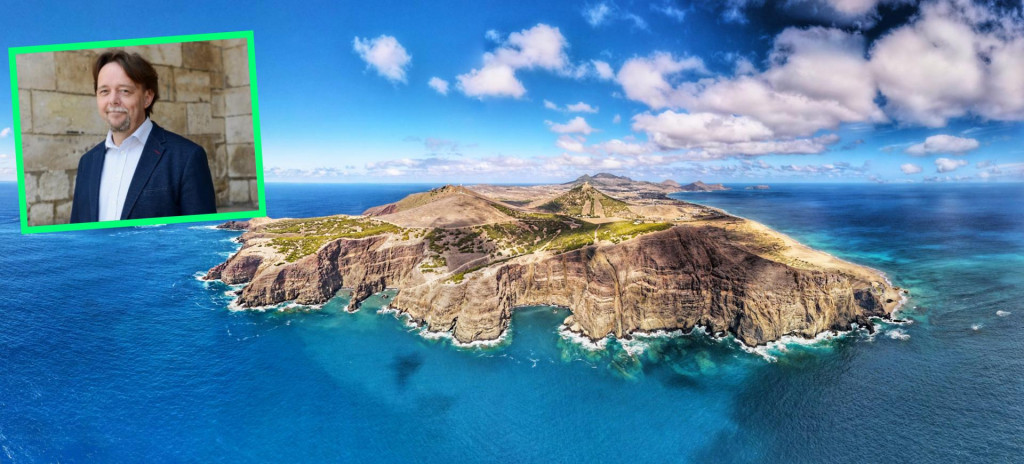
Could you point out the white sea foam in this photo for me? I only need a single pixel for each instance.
(205, 228)
(1002, 313)
(582, 340)
(898, 334)
(976, 327)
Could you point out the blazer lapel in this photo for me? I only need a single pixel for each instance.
(94, 174)
(151, 155)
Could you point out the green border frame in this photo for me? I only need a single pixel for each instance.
(16, 106)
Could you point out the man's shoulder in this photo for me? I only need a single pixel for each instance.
(94, 154)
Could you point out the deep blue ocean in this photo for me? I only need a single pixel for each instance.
(111, 350)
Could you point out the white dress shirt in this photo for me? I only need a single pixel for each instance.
(119, 166)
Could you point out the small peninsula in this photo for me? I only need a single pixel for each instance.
(618, 253)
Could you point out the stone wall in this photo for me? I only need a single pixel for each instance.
(204, 96)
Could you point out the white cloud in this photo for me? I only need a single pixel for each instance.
(597, 15)
(580, 108)
(438, 84)
(603, 69)
(670, 10)
(541, 46)
(619, 147)
(943, 144)
(5, 132)
(685, 130)
(385, 55)
(550, 105)
(955, 59)
(645, 79)
(910, 168)
(570, 143)
(617, 119)
(492, 35)
(576, 125)
(493, 80)
(948, 165)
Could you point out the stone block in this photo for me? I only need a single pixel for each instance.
(199, 119)
(31, 187)
(74, 71)
(222, 187)
(239, 129)
(254, 193)
(228, 43)
(58, 113)
(36, 71)
(165, 82)
(62, 213)
(40, 214)
(166, 54)
(242, 160)
(239, 191)
(192, 86)
(218, 109)
(172, 116)
(54, 185)
(236, 66)
(238, 101)
(219, 161)
(55, 152)
(201, 55)
(25, 109)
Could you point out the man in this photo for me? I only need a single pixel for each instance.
(141, 170)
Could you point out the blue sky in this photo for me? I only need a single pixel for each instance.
(734, 91)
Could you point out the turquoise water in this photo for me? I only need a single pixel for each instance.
(111, 350)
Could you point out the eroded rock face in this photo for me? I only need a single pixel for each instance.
(673, 279)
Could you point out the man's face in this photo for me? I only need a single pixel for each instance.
(121, 102)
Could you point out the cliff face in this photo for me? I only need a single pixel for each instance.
(672, 279)
(675, 279)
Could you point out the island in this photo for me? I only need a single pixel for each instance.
(702, 187)
(619, 254)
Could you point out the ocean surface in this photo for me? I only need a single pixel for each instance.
(111, 350)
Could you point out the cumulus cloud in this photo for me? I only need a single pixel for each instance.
(619, 147)
(948, 165)
(580, 108)
(541, 46)
(603, 13)
(646, 79)
(570, 143)
(576, 125)
(910, 168)
(956, 59)
(603, 70)
(617, 119)
(5, 132)
(438, 84)
(385, 55)
(943, 144)
(787, 101)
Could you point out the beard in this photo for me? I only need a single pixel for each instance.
(124, 125)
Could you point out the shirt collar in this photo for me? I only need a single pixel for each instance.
(141, 134)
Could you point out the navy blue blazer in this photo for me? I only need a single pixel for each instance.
(172, 179)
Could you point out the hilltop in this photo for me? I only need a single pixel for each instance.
(463, 261)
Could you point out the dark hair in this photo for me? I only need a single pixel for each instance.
(135, 66)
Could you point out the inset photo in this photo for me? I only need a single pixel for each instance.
(137, 132)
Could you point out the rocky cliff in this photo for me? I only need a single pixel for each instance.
(726, 274)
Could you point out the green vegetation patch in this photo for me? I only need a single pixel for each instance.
(311, 234)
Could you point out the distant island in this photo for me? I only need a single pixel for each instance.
(758, 187)
(618, 253)
(702, 187)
